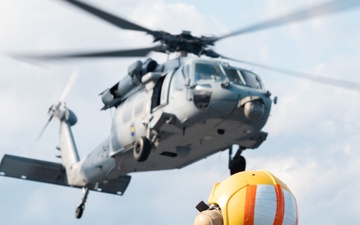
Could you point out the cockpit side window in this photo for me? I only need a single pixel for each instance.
(233, 75)
(204, 71)
(251, 79)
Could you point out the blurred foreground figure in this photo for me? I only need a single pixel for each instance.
(249, 198)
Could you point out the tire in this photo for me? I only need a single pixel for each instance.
(142, 149)
(79, 211)
(238, 164)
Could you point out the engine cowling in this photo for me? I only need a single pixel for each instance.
(113, 96)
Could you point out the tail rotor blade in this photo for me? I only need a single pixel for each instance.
(69, 85)
(43, 130)
(41, 133)
(54, 109)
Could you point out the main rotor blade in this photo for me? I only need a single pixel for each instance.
(315, 78)
(115, 20)
(140, 52)
(330, 7)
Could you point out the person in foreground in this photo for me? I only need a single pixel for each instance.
(249, 198)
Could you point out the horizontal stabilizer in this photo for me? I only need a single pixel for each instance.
(53, 173)
(32, 169)
(116, 186)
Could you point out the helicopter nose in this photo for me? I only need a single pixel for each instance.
(223, 100)
(215, 98)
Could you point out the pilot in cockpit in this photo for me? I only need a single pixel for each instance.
(206, 72)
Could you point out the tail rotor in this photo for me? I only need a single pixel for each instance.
(57, 110)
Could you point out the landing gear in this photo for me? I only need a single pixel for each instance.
(238, 162)
(80, 209)
(142, 149)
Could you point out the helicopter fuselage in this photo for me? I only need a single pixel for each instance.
(188, 109)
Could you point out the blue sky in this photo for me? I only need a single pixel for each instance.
(313, 130)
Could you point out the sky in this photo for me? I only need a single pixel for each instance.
(313, 129)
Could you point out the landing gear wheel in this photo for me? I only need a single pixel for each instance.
(79, 211)
(238, 164)
(142, 149)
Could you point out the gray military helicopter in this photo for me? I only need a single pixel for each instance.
(168, 115)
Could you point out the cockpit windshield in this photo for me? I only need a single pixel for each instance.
(205, 71)
(221, 72)
(242, 77)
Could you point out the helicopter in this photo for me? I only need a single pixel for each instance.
(168, 115)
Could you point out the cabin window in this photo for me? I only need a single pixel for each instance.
(156, 98)
(165, 89)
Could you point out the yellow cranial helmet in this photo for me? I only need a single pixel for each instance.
(252, 197)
